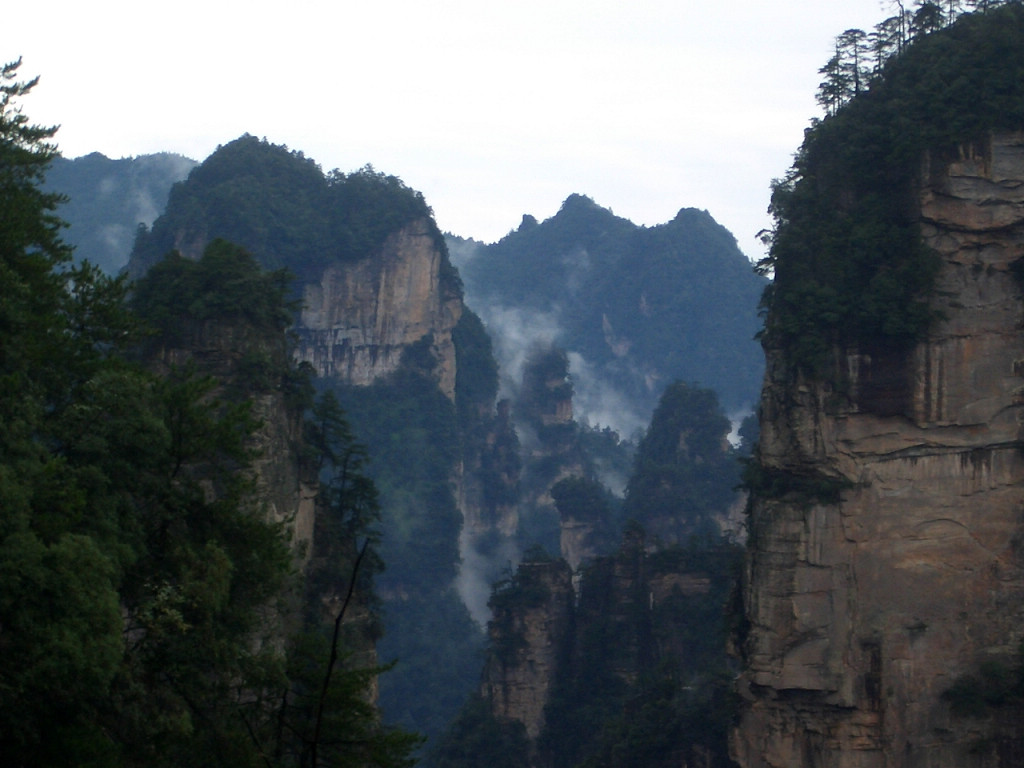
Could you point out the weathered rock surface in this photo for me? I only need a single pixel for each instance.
(863, 612)
(360, 318)
(527, 640)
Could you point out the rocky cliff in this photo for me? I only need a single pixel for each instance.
(287, 489)
(619, 663)
(360, 317)
(532, 617)
(898, 568)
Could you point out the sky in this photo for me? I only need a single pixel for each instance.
(491, 108)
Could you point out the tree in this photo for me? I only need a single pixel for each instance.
(846, 74)
(60, 629)
(927, 19)
(328, 713)
(887, 40)
(143, 588)
(851, 47)
(684, 472)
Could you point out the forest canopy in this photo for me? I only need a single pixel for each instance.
(144, 589)
(282, 208)
(846, 252)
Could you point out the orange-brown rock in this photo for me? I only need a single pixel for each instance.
(360, 317)
(862, 613)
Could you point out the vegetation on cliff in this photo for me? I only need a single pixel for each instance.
(144, 590)
(685, 472)
(640, 674)
(411, 430)
(850, 269)
(282, 207)
(638, 679)
(289, 215)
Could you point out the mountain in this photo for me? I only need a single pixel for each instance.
(634, 307)
(467, 481)
(383, 327)
(615, 652)
(109, 199)
(883, 601)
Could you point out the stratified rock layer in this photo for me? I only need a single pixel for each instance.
(360, 318)
(862, 613)
(527, 641)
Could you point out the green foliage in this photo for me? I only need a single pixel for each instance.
(669, 723)
(846, 251)
(141, 583)
(438, 653)
(476, 377)
(410, 429)
(769, 483)
(684, 472)
(644, 682)
(226, 283)
(586, 500)
(350, 731)
(366, 206)
(326, 713)
(282, 208)
(994, 687)
(524, 588)
(580, 498)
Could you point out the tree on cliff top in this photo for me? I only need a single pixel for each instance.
(846, 251)
(280, 206)
(685, 472)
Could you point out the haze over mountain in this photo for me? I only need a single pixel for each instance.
(108, 200)
(635, 307)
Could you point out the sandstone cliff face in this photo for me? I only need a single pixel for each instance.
(360, 317)
(862, 613)
(527, 637)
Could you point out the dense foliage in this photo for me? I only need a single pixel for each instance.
(637, 680)
(288, 214)
(478, 738)
(641, 675)
(282, 208)
(685, 472)
(410, 429)
(644, 682)
(143, 588)
(846, 251)
(226, 284)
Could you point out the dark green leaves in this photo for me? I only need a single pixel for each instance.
(849, 264)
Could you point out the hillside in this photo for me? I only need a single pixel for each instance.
(382, 326)
(635, 307)
(164, 595)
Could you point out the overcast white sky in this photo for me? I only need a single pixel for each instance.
(491, 108)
